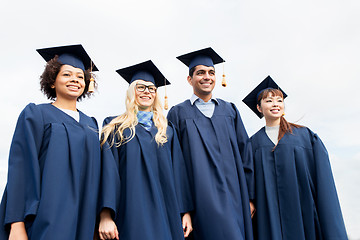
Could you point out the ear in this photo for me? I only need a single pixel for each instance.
(52, 86)
(258, 108)
(189, 80)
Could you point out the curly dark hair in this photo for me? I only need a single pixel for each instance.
(48, 77)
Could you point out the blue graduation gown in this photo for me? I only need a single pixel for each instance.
(295, 192)
(145, 185)
(53, 176)
(217, 155)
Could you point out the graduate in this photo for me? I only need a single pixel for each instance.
(295, 194)
(216, 152)
(145, 188)
(54, 160)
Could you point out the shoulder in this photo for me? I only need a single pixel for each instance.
(35, 107)
(33, 110)
(307, 134)
(260, 140)
(228, 107)
(179, 111)
(107, 120)
(90, 120)
(300, 137)
(303, 132)
(184, 104)
(257, 135)
(226, 104)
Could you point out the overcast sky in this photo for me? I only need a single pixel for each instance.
(309, 47)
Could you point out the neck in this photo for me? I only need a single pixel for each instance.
(205, 98)
(65, 104)
(272, 122)
(145, 109)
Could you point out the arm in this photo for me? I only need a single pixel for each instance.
(173, 118)
(327, 202)
(182, 183)
(22, 194)
(245, 152)
(110, 179)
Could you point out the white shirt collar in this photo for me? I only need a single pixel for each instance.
(194, 98)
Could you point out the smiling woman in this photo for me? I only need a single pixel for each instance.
(54, 157)
(295, 194)
(144, 182)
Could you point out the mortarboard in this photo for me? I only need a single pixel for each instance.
(207, 57)
(251, 99)
(74, 55)
(146, 71)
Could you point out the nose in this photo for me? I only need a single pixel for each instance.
(147, 90)
(74, 79)
(206, 75)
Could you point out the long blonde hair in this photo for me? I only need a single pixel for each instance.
(129, 120)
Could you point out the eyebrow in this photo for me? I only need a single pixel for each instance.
(146, 85)
(77, 72)
(203, 70)
(273, 97)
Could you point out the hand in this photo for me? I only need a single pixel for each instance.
(18, 232)
(252, 209)
(107, 227)
(187, 226)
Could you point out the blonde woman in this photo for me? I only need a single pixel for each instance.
(144, 183)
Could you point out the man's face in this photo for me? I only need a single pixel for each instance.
(203, 80)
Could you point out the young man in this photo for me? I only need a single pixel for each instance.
(217, 154)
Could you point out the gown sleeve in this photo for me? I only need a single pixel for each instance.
(245, 152)
(173, 118)
(110, 178)
(327, 202)
(182, 185)
(22, 193)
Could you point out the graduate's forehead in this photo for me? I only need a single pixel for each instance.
(203, 67)
(69, 68)
(147, 83)
(272, 93)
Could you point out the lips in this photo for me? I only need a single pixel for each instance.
(145, 97)
(275, 110)
(207, 83)
(73, 87)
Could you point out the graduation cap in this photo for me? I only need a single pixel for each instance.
(207, 57)
(146, 71)
(251, 99)
(73, 55)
